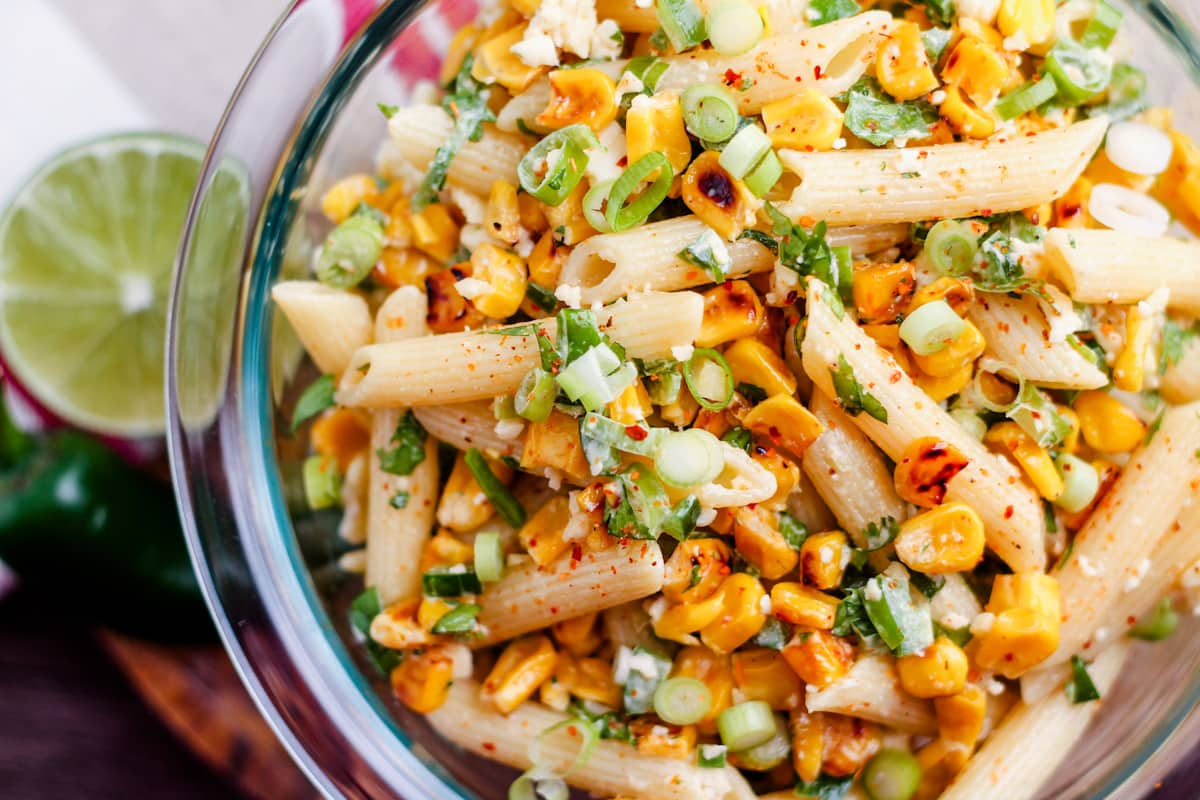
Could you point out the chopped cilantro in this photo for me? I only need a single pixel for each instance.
(313, 400)
(873, 116)
(388, 111)
(881, 534)
(794, 531)
(852, 397)
(821, 12)
(1080, 688)
(825, 787)
(400, 499)
(409, 451)
(467, 106)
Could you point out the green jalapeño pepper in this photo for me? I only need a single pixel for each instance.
(103, 535)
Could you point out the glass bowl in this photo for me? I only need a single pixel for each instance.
(304, 114)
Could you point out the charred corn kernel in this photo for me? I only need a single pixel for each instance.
(948, 538)
(741, 616)
(757, 538)
(678, 622)
(463, 506)
(968, 346)
(1070, 442)
(849, 744)
(940, 671)
(398, 232)
(459, 46)
(583, 95)
(502, 217)
(711, 669)
(435, 232)
(958, 293)
(808, 743)
(716, 197)
(715, 422)
(803, 605)
(926, 466)
(787, 474)
(396, 627)
(785, 423)
(818, 657)
(340, 434)
(505, 273)
(1129, 369)
(546, 260)
(977, 69)
(431, 610)
(423, 679)
(588, 679)
(754, 363)
(1026, 628)
(407, 267)
(1106, 424)
(541, 535)
(940, 387)
(343, 197)
(524, 665)
(807, 120)
(1032, 19)
(631, 406)
(731, 311)
(495, 61)
(653, 737)
(655, 125)
(965, 116)
(903, 66)
(577, 636)
(443, 550)
(823, 559)
(960, 720)
(449, 311)
(1011, 439)
(566, 219)
(696, 569)
(882, 291)
(555, 443)
(1071, 210)
(761, 674)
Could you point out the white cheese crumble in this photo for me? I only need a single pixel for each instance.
(607, 40)
(682, 352)
(628, 661)
(568, 24)
(938, 97)
(764, 604)
(1017, 43)
(536, 50)
(629, 84)
(982, 623)
(569, 295)
(604, 162)
(1101, 635)
(995, 687)
(525, 243)
(1139, 572)
(954, 621)
(472, 207)
(509, 429)
(1087, 567)
(839, 143)
(643, 3)
(706, 516)
(710, 751)
(554, 478)
(472, 236)
(656, 609)
(471, 288)
(873, 592)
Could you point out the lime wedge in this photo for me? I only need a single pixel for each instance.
(86, 250)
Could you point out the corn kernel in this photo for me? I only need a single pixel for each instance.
(655, 125)
(787, 474)
(808, 743)
(541, 535)
(960, 720)
(1034, 19)
(731, 311)
(588, 679)
(443, 550)
(546, 260)
(849, 744)
(578, 635)
(505, 273)
(631, 406)
(823, 559)
(754, 363)
(1026, 629)
(555, 695)
(340, 434)
(463, 506)
(761, 674)
(582, 95)
(742, 616)
(714, 671)
(555, 443)
(785, 423)
(958, 293)
(653, 737)
(431, 610)
(977, 69)
(495, 60)
(396, 627)
(567, 219)
(422, 680)
(435, 232)
(449, 311)
(696, 569)
(903, 66)
(757, 538)
(948, 538)
(681, 412)
(1129, 369)
(716, 197)
(678, 622)
(940, 388)
(807, 120)
(344, 196)
(525, 664)
(456, 52)
(819, 657)
(965, 116)
(502, 217)
(968, 346)
(882, 291)
(1012, 440)
(940, 671)
(926, 467)
(1071, 210)
(803, 605)
(1070, 442)
(407, 267)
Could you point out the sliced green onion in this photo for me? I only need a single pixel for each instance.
(538, 785)
(577, 332)
(971, 422)
(745, 725)
(503, 407)
(709, 378)
(1102, 27)
(442, 582)
(622, 217)
(734, 26)
(1080, 482)
(614, 434)
(460, 619)
(663, 387)
(689, 458)
(639, 671)
(952, 247)
(682, 22)
(596, 378)
(903, 622)
(322, 482)
(501, 498)
(893, 774)
(534, 399)
(541, 297)
(1078, 72)
(313, 400)
(593, 205)
(1026, 98)
(350, 252)
(764, 177)
(931, 327)
(648, 500)
(770, 753)
(711, 756)
(1158, 624)
(682, 701)
(1080, 687)
(680, 523)
(557, 181)
(588, 734)
(489, 556)
(744, 151)
(709, 112)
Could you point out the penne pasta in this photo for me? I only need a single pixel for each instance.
(1181, 382)
(467, 425)
(1017, 333)
(457, 367)
(1010, 511)
(805, 504)
(330, 323)
(418, 131)
(612, 265)
(531, 597)
(854, 187)
(871, 690)
(1101, 266)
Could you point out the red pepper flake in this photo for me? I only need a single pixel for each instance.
(817, 72)
(553, 609)
(623, 161)
(489, 746)
(732, 77)
(636, 432)
(577, 553)
(1008, 512)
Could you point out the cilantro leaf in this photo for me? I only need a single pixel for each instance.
(409, 451)
(1080, 688)
(794, 531)
(881, 534)
(940, 12)
(1175, 338)
(313, 400)
(710, 254)
(821, 12)
(851, 617)
(873, 116)
(468, 107)
(852, 397)
(825, 787)
(388, 111)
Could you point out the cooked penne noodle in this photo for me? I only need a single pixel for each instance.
(871, 690)
(332, 324)
(854, 187)
(1181, 382)
(457, 367)
(1017, 333)
(1007, 766)
(1010, 511)
(1101, 266)
(418, 131)
(805, 504)
(612, 265)
(467, 425)
(531, 597)
(614, 767)
(829, 58)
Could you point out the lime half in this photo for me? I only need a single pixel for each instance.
(86, 250)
